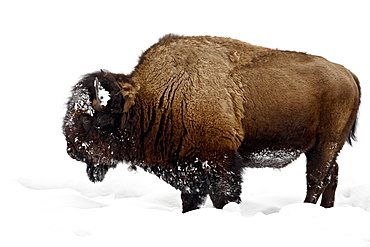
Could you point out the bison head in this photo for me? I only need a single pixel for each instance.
(92, 125)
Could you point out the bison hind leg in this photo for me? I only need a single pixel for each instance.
(322, 173)
(328, 195)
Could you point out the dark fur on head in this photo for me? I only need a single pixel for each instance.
(93, 134)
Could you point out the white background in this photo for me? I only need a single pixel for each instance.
(46, 198)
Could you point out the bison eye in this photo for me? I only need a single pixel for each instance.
(86, 123)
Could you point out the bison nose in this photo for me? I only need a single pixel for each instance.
(70, 152)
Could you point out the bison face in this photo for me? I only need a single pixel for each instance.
(92, 122)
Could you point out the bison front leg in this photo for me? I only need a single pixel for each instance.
(225, 181)
(192, 199)
(225, 187)
(193, 194)
(193, 186)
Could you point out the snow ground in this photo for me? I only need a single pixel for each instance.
(46, 198)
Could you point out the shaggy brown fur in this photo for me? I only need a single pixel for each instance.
(196, 110)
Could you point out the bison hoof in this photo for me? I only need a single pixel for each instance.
(96, 173)
(221, 202)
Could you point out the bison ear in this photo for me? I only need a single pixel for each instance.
(128, 92)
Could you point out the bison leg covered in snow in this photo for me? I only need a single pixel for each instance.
(197, 110)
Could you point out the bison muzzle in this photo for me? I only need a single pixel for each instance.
(197, 110)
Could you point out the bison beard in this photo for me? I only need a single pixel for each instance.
(96, 173)
(197, 110)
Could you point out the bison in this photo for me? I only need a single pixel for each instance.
(196, 111)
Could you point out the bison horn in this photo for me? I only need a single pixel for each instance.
(97, 102)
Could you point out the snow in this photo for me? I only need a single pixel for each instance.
(102, 94)
(46, 198)
(82, 102)
(274, 158)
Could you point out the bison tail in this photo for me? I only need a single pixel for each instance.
(352, 134)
